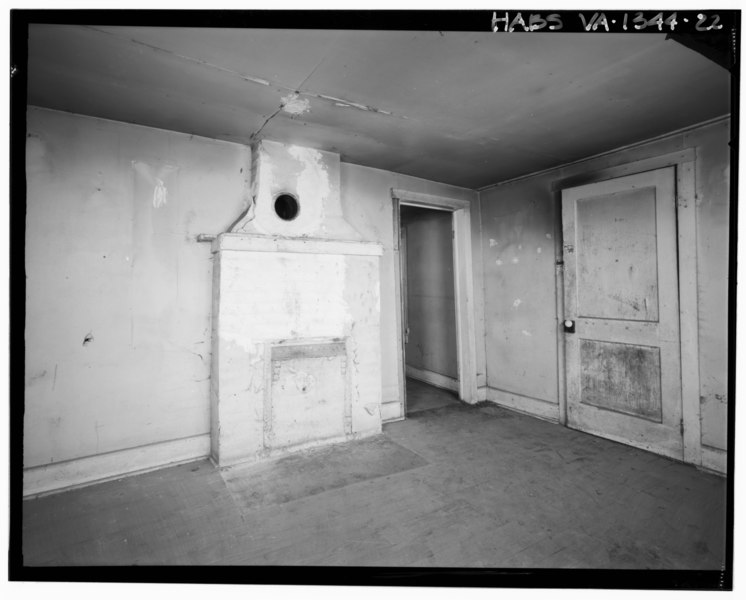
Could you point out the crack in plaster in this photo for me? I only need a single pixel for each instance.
(199, 61)
(268, 119)
(258, 80)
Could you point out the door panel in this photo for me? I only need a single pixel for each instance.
(621, 290)
(618, 278)
(621, 377)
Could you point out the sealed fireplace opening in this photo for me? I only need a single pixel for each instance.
(286, 207)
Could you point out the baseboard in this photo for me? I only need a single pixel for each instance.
(436, 379)
(391, 411)
(482, 393)
(714, 459)
(78, 472)
(524, 404)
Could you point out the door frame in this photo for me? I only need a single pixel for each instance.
(463, 279)
(686, 222)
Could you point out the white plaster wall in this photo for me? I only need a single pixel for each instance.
(521, 218)
(367, 205)
(106, 256)
(110, 255)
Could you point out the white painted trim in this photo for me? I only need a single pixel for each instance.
(466, 335)
(432, 378)
(686, 215)
(715, 459)
(257, 243)
(463, 271)
(391, 411)
(620, 149)
(399, 312)
(428, 200)
(78, 472)
(483, 379)
(524, 404)
(559, 290)
(643, 165)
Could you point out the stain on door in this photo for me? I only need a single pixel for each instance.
(622, 349)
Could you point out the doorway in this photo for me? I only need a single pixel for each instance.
(433, 364)
(621, 314)
(429, 308)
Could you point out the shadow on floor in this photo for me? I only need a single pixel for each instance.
(421, 397)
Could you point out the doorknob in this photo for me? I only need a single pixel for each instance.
(569, 326)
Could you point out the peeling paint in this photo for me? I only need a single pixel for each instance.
(349, 104)
(313, 168)
(303, 381)
(314, 179)
(156, 178)
(341, 102)
(526, 333)
(493, 243)
(295, 105)
(160, 194)
(538, 250)
(517, 302)
(498, 262)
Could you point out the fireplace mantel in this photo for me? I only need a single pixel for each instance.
(245, 242)
(296, 344)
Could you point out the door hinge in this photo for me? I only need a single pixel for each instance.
(681, 426)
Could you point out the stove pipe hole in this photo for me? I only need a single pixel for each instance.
(286, 207)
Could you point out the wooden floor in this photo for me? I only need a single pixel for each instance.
(421, 396)
(457, 485)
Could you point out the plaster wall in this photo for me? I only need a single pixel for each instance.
(520, 244)
(367, 205)
(118, 300)
(431, 304)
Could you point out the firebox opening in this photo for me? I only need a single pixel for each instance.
(286, 207)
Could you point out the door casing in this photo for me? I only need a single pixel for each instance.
(463, 287)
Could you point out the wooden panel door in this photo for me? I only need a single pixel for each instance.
(622, 350)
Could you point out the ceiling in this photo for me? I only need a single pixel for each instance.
(469, 109)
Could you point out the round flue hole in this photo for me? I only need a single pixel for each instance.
(286, 207)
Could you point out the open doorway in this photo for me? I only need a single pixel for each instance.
(429, 329)
(458, 213)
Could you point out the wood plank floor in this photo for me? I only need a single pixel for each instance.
(454, 486)
(421, 396)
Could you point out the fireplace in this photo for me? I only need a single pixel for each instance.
(296, 315)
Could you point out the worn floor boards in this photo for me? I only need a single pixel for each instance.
(454, 486)
(421, 396)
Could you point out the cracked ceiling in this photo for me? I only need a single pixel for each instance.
(469, 109)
